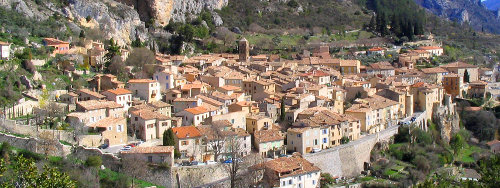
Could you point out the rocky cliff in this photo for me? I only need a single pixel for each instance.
(162, 11)
(471, 11)
(114, 19)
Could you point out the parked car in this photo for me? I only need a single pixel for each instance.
(211, 162)
(316, 150)
(103, 146)
(186, 163)
(194, 163)
(282, 155)
(132, 145)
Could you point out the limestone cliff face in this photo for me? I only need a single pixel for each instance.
(162, 11)
(115, 20)
(472, 11)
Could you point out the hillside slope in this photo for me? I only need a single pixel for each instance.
(471, 11)
(329, 14)
(492, 4)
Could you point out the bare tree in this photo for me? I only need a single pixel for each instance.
(134, 166)
(226, 36)
(233, 147)
(47, 143)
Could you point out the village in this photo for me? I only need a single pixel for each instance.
(223, 109)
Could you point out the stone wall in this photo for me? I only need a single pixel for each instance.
(33, 145)
(32, 131)
(348, 160)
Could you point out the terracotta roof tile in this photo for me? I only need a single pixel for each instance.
(93, 104)
(196, 110)
(119, 91)
(135, 81)
(186, 132)
(151, 149)
(268, 136)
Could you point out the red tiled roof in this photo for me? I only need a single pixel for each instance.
(119, 91)
(53, 41)
(133, 81)
(186, 132)
(197, 110)
(151, 149)
(429, 48)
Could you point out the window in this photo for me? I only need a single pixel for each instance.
(314, 182)
(232, 121)
(300, 178)
(290, 181)
(184, 142)
(284, 183)
(156, 77)
(119, 128)
(324, 140)
(150, 159)
(166, 77)
(299, 135)
(110, 128)
(162, 158)
(325, 131)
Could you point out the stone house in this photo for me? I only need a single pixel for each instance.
(258, 123)
(477, 89)
(85, 95)
(120, 96)
(60, 47)
(69, 98)
(165, 79)
(460, 68)
(453, 85)
(181, 104)
(269, 143)
(435, 74)
(237, 119)
(375, 113)
(160, 155)
(425, 96)
(434, 50)
(147, 90)
(303, 138)
(4, 50)
(188, 142)
(149, 125)
(289, 172)
(105, 82)
(88, 112)
(112, 129)
(193, 116)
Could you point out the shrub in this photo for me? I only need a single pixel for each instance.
(93, 161)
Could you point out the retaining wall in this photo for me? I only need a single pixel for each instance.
(348, 160)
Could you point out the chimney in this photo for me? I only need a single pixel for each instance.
(187, 135)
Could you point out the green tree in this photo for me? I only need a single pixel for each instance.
(93, 161)
(466, 76)
(344, 140)
(168, 138)
(490, 171)
(82, 34)
(457, 143)
(113, 50)
(187, 32)
(26, 175)
(373, 24)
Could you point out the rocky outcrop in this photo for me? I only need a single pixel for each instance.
(446, 118)
(471, 11)
(115, 20)
(162, 11)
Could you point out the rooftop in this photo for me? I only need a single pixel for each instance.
(186, 132)
(151, 149)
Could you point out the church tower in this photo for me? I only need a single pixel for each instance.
(244, 50)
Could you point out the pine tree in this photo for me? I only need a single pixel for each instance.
(373, 24)
(168, 138)
(466, 76)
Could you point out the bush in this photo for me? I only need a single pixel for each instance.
(93, 161)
